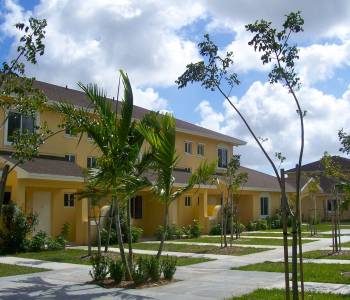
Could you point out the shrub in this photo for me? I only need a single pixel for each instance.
(215, 230)
(55, 244)
(99, 269)
(38, 242)
(136, 233)
(154, 269)
(104, 236)
(261, 224)
(116, 271)
(140, 271)
(252, 226)
(241, 228)
(14, 228)
(169, 267)
(196, 229)
(173, 232)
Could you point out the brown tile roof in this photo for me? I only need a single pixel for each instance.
(77, 98)
(317, 166)
(49, 166)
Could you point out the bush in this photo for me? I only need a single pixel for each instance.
(140, 271)
(251, 226)
(169, 267)
(215, 230)
(116, 271)
(38, 242)
(14, 228)
(261, 224)
(196, 229)
(154, 269)
(99, 269)
(173, 232)
(56, 244)
(65, 230)
(136, 233)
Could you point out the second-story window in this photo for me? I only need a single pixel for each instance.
(188, 147)
(69, 132)
(70, 157)
(91, 162)
(188, 201)
(68, 200)
(200, 149)
(18, 122)
(222, 157)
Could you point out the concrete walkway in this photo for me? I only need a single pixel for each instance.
(209, 280)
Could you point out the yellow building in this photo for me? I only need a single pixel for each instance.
(47, 184)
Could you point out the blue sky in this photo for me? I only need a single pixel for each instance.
(90, 40)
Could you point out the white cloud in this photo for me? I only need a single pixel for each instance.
(271, 112)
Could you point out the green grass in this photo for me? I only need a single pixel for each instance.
(347, 244)
(312, 272)
(204, 249)
(243, 241)
(273, 234)
(74, 256)
(11, 270)
(278, 294)
(326, 254)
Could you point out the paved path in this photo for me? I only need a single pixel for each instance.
(209, 280)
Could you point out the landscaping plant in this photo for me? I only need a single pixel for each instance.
(116, 270)
(154, 268)
(215, 73)
(168, 266)
(99, 270)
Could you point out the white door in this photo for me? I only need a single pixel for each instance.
(42, 206)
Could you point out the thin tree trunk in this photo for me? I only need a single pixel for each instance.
(98, 225)
(110, 220)
(295, 259)
(165, 226)
(222, 221)
(225, 228)
(89, 227)
(130, 256)
(231, 220)
(285, 236)
(120, 241)
(3, 180)
(338, 223)
(238, 229)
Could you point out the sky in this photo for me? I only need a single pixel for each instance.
(153, 41)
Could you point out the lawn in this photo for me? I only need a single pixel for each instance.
(243, 241)
(347, 244)
(278, 294)
(326, 254)
(204, 249)
(312, 272)
(11, 270)
(274, 234)
(74, 256)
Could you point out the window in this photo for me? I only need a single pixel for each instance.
(7, 198)
(68, 200)
(331, 205)
(89, 136)
(264, 206)
(136, 207)
(188, 201)
(200, 149)
(188, 147)
(69, 132)
(188, 170)
(91, 162)
(18, 122)
(222, 157)
(70, 157)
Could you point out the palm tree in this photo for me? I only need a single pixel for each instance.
(160, 131)
(115, 138)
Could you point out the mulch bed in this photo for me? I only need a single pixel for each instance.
(110, 284)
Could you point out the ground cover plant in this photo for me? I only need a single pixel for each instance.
(245, 241)
(330, 273)
(11, 270)
(77, 256)
(327, 254)
(278, 294)
(204, 249)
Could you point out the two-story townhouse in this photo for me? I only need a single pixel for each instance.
(47, 184)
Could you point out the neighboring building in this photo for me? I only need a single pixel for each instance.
(47, 184)
(317, 190)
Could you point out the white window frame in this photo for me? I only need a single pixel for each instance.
(8, 143)
(190, 143)
(188, 201)
(69, 135)
(91, 158)
(69, 155)
(69, 194)
(202, 145)
(265, 196)
(222, 147)
(333, 205)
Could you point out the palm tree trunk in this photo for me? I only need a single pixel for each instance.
(130, 256)
(165, 226)
(3, 180)
(110, 220)
(120, 240)
(89, 227)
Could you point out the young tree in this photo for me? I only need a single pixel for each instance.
(215, 73)
(18, 95)
(160, 132)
